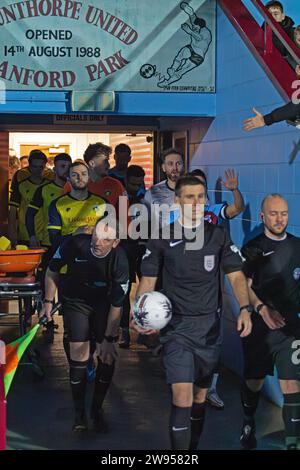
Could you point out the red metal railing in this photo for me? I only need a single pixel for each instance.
(277, 30)
(259, 41)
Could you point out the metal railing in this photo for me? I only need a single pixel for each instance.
(286, 41)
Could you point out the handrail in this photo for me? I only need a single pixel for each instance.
(259, 42)
(278, 31)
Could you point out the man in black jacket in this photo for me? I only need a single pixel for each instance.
(290, 112)
(276, 10)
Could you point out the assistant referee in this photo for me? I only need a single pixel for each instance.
(92, 294)
(273, 270)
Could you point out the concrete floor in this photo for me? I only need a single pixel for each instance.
(40, 414)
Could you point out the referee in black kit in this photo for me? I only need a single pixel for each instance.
(273, 270)
(92, 295)
(191, 280)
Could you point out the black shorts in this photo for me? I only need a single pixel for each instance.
(265, 349)
(195, 58)
(191, 349)
(85, 320)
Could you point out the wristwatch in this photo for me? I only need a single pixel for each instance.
(47, 301)
(111, 339)
(259, 307)
(249, 308)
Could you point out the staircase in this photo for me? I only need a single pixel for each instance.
(259, 42)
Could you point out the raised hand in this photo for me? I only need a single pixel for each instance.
(231, 180)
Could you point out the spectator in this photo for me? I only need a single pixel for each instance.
(276, 10)
(290, 112)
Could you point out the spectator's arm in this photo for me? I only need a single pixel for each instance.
(254, 122)
(289, 112)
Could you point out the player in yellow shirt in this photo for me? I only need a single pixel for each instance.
(79, 208)
(22, 191)
(43, 197)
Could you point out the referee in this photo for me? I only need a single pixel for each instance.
(92, 294)
(191, 280)
(273, 270)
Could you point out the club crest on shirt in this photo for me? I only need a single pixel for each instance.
(210, 217)
(209, 262)
(97, 209)
(296, 274)
(148, 253)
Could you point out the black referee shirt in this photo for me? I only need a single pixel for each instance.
(191, 278)
(88, 277)
(274, 267)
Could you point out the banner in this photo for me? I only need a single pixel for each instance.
(116, 45)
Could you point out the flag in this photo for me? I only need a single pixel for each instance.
(14, 352)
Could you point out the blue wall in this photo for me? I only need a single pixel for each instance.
(128, 104)
(267, 159)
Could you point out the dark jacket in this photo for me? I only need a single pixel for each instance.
(288, 26)
(288, 112)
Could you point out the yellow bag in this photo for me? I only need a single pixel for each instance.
(4, 244)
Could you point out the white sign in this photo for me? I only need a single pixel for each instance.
(118, 45)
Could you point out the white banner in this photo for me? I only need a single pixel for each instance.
(118, 45)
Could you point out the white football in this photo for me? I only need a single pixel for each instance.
(152, 311)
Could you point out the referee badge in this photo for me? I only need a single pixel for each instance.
(209, 262)
(296, 274)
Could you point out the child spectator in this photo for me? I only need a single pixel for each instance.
(276, 10)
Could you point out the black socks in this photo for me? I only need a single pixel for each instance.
(249, 402)
(197, 423)
(104, 375)
(291, 418)
(180, 427)
(78, 383)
